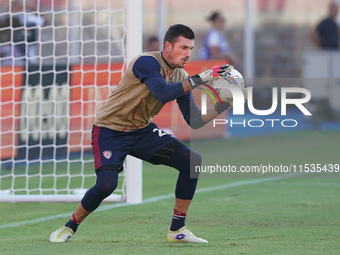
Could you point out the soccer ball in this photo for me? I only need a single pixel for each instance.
(220, 84)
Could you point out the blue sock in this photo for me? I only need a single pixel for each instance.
(178, 220)
(73, 223)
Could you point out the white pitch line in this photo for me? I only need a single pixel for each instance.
(149, 200)
(313, 184)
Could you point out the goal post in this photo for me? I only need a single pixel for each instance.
(134, 47)
(48, 106)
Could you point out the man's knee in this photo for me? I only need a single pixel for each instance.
(106, 188)
(195, 159)
(185, 159)
(107, 181)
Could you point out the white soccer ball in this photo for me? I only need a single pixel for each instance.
(233, 78)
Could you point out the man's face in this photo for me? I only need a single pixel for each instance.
(333, 11)
(219, 22)
(180, 52)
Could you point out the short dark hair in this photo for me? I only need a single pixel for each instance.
(178, 30)
(214, 16)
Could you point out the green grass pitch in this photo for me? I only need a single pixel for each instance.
(275, 216)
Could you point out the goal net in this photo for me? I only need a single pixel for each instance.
(60, 61)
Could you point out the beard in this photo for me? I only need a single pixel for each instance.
(174, 63)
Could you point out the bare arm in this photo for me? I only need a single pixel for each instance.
(186, 86)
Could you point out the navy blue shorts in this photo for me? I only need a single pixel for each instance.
(110, 147)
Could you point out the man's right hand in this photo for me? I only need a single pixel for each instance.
(209, 75)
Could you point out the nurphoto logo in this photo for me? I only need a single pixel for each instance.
(239, 99)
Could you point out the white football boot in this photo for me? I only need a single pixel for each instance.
(61, 235)
(183, 235)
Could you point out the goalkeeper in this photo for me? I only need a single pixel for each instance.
(124, 126)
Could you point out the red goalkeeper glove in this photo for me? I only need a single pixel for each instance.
(209, 75)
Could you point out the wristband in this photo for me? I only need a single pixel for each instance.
(195, 81)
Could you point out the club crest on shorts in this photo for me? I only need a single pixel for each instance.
(107, 154)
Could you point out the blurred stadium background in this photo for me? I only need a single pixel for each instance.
(282, 33)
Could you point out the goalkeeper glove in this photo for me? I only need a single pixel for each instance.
(209, 75)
